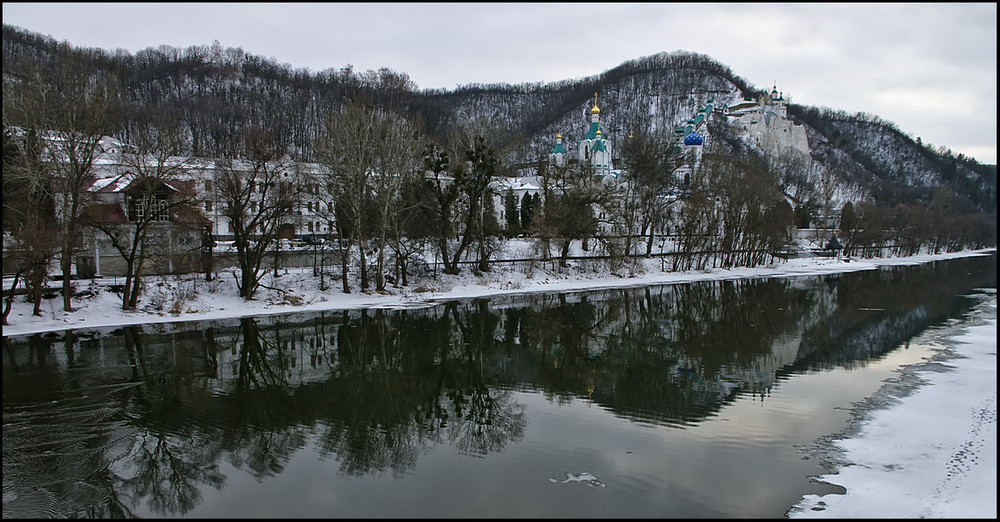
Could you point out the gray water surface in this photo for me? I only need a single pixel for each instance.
(687, 400)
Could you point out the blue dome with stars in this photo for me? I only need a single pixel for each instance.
(693, 139)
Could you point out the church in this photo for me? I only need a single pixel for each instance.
(594, 149)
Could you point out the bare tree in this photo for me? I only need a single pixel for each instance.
(848, 222)
(83, 111)
(650, 158)
(30, 230)
(442, 202)
(370, 153)
(71, 109)
(569, 210)
(483, 146)
(415, 225)
(157, 204)
(349, 154)
(258, 192)
(481, 166)
(698, 224)
(396, 164)
(745, 190)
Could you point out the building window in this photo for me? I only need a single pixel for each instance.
(162, 213)
(141, 206)
(208, 185)
(208, 206)
(138, 210)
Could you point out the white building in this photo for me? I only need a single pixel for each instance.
(766, 122)
(595, 149)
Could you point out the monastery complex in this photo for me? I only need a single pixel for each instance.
(764, 121)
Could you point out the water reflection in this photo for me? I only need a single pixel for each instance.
(99, 425)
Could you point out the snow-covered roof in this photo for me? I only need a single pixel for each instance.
(121, 183)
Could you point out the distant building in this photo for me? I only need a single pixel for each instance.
(595, 148)
(763, 121)
(179, 235)
(691, 137)
(558, 155)
(766, 122)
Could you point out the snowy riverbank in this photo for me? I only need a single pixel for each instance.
(932, 453)
(294, 290)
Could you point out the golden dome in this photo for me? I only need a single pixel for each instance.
(595, 110)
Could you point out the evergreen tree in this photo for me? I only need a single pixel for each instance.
(528, 205)
(511, 213)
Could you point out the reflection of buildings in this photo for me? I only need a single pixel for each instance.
(305, 350)
(88, 400)
(666, 354)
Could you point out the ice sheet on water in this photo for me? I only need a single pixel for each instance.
(582, 478)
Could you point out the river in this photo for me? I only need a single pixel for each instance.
(687, 400)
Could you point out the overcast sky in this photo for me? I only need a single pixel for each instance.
(929, 68)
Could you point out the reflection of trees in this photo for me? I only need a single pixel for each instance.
(485, 418)
(164, 471)
(259, 431)
(99, 432)
(670, 354)
(166, 474)
(79, 454)
(732, 323)
(561, 335)
(59, 435)
(877, 310)
(369, 401)
(394, 395)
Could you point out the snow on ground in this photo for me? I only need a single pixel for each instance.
(933, 454)
(295, 290)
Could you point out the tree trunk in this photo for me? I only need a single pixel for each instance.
(133, 300)
(9, 302)
(127, 290)
(564, 254)
(37, 277)
(362, 246)
(345, 264)
(380, 266)
(65, 263)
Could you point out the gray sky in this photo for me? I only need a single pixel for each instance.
(929, 68)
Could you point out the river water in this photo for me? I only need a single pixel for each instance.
(688, 400)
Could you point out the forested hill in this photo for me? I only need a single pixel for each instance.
(217, 92)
